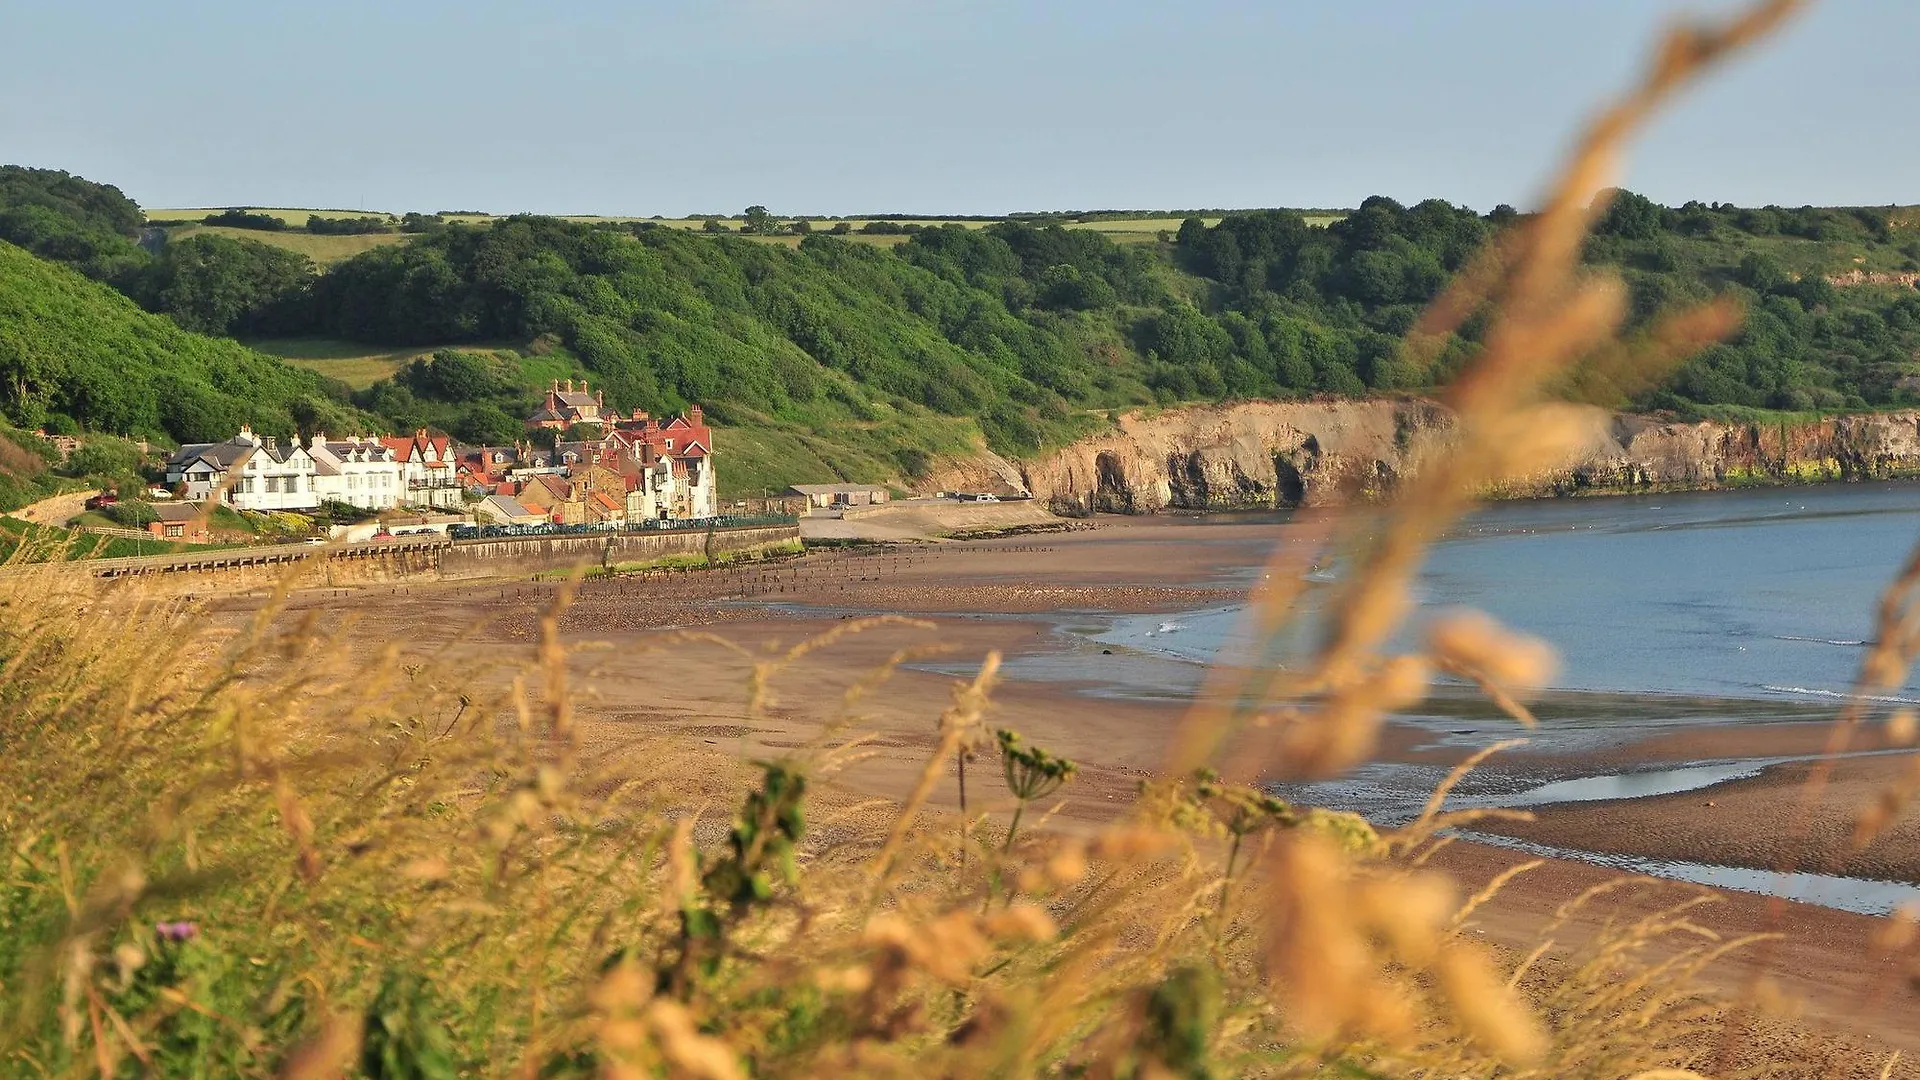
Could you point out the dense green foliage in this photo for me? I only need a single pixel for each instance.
(74, 350)
(1021, 330)
(831, 333)
(208, 283)
(90, 227)
(350, 226)
(1338, 300)
(1806, 343)
(27, 470)
(214, 284)
(244, 219)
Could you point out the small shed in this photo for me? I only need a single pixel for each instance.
(831, 495)
(179, 521)
(506, 510)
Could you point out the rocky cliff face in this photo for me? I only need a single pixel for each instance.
(1285, 454)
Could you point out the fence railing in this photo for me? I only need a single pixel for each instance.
(124, 534)
(724, 521)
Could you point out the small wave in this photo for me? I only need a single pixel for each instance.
(1169, 628)
(1807, 691)
(1819, 640)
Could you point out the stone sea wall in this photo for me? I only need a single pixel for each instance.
(411, 560)
(1285, 454)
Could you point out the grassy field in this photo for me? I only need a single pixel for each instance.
(321, 249)
(354, 363)
(290, 215)
(329, 249)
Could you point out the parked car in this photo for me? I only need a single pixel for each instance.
(102, 500)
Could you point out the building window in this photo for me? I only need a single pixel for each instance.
(176, 530)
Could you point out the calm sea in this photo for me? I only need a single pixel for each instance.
(1754, 594)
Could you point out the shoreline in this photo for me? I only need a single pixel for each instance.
(626, 633)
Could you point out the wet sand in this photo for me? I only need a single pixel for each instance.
(1764, 822)
(650, 661)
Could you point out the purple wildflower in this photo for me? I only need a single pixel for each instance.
(176, 931)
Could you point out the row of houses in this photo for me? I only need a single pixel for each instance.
(639, 468)
(642, 468)
(256, 472)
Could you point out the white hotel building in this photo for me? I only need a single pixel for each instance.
(251, 472)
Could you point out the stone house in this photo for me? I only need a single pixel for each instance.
(551, 496)
(565, 408)
(601, 491)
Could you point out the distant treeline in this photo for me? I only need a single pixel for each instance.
(1024, 326)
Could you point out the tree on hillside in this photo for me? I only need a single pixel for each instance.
(759, 221)
(800, 227)
(214, 284)
(89, 205)
(90, 227)
(1760, 273)
(241, 219)
(73, 346)
(1632, 216)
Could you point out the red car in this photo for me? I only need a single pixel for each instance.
(102, 500)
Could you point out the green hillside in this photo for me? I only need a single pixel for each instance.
(830, 355)
(76, 349)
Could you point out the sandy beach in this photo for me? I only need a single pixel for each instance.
(678, 653)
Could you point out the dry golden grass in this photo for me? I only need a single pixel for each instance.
(252, 852)
(377, 867)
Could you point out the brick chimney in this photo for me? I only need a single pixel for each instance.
(694, 415)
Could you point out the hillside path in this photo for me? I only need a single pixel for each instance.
(57, 510)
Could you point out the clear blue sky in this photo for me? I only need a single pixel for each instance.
(974, 106)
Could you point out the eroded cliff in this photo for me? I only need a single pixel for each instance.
(1284, 454)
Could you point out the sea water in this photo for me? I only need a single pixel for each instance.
(1743, 605)
(1767, 593)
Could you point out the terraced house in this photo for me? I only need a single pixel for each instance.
(641, 469)
(254, 472)
(248, 472)
(361, 472)
(427, 462)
